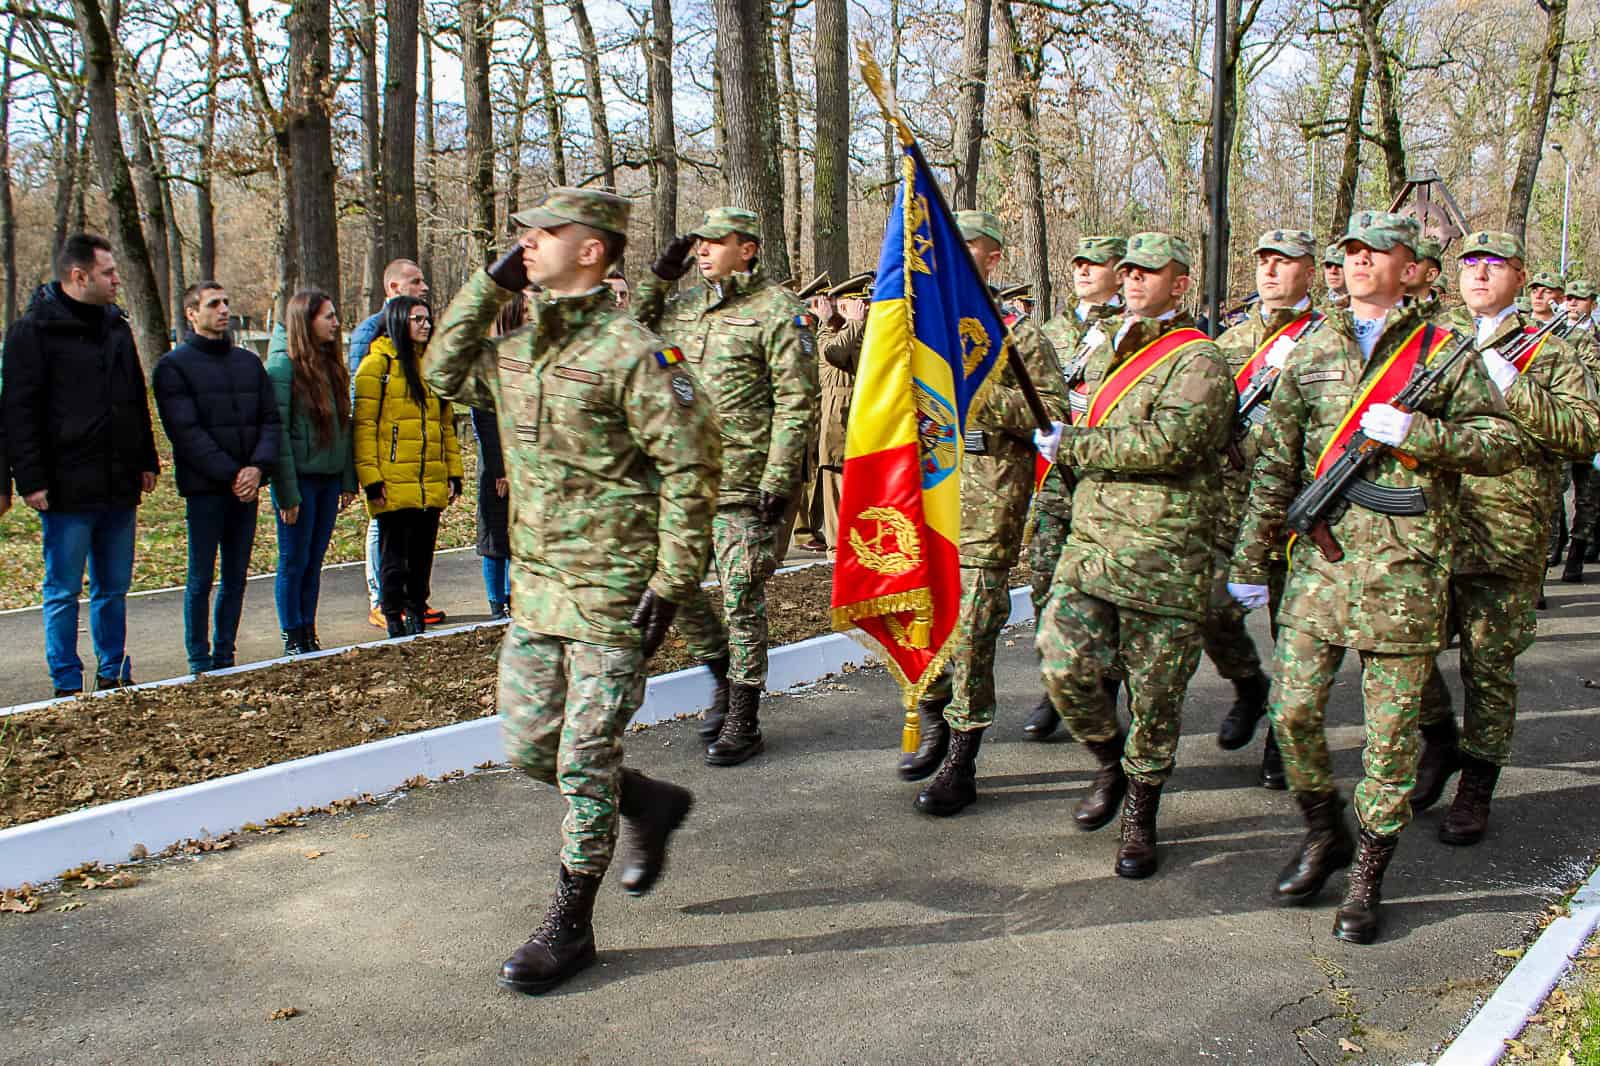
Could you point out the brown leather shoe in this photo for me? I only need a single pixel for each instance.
(1357, 920)
(651, 811)
(1467, 820)
(740, 738)
(1107, 789)
(1136, 857)
(563, 944)
(955, 786)
(1328, 846)
(712, 725)
(1441, 757)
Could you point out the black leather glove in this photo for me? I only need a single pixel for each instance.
(508, 271)
(674, 260)
(772, 507)
(375, 490)
(654, 617)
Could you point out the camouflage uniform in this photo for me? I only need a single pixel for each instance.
(749, 343)
(1386, 598)
(839, 345)
(1585, 342)
(612, 458)
(1132, 581)
(1503, 534)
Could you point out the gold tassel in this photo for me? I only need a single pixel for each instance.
(911, 732)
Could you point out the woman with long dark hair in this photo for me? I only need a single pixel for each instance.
(315, 477)
(494, 490)
(407, 460)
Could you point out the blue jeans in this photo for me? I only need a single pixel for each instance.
(225, 523)
(497, 580)
(301, 548)
(103, 540)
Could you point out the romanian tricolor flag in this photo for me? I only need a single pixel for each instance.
(932, 341)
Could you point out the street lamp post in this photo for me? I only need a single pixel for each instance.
(1566, 199)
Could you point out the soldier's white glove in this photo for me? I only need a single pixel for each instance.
(1597, 462)
(1386, 424)
(1250, 597)
(1500, 369)
(1049, 443)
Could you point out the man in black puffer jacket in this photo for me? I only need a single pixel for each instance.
(82, 452)
(219, 411)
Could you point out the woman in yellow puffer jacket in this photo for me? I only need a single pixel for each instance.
(407, 460)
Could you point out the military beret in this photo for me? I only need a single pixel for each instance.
(1333, 255)
(1294, 243)
(721, 221)
(975, 224)
(590, 207)
(1547, 279)
(1383, 230)
(1492, 242)
(1101, 249)
(1430, 248)
(1153, 250)
(855, 287)
(1582, 288)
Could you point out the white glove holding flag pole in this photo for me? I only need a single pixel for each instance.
(1500, 369)
(1250, 597)
(1386, 424)
(1049, 443)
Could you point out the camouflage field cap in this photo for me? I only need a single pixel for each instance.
(1333, 255)
(721, 221)
(1524, 305)
(1100, 249)
(591, 207)
(1383, 230)
(1547, 279)
(1581, 288)
(975, 224)
(1152, 251)
(1294, 243)
(1492, 242)
(1430, 248)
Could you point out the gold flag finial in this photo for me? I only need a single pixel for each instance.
(872, 74)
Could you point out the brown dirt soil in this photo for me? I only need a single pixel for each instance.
(91, 751)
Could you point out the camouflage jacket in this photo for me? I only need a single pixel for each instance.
(1505, 521)
(749, 343)
(612, 457)
(1149, 480)
(1388, 593)
(840, 349)
(1585, 343)
(1078, 339)
(997, 483)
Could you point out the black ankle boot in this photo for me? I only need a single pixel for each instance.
(291, 641)
(651, 811)
(1238, 726)
(308, 638)
(1558, 539)
(1108, 787)
(396, 624)
(1328, 846)
(712, 725)
(1468, 817)
(1441, 757)
(1572, 573)
(1042, 721)
(1136, 856)
(1357, 920)
(1272, 775)
(741, 729)
(934, 742)
(563, 944)
(955, 786)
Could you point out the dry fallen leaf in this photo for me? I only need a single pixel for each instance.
(283, 1014)
(1350, 1046)
(18, 901)
(361, 836)
(1509, 953)
(1518, 1050)
(315, 854)
(70, 905)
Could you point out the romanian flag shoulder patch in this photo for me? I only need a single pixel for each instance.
(669, 357)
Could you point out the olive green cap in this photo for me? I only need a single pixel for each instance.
(1383, 230)
(590, 207)
(1547, 279)
(1333, 255)
(1582, 288)
(1100, 249)
(1153, 250)
(1430, 248)
(721, 221)
(1524, 304)
(1020, 291)
(811, 288)
(975, 224)
(855, 287)
(1294, 243)
(1492, 242)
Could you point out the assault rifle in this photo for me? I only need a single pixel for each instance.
(1253, 400)
(1325, 500)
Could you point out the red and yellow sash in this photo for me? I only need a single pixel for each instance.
(1383, 386)
(1130, 373)
(1526, 359)
(1292, 330)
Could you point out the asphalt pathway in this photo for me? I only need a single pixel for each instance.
(809, 916)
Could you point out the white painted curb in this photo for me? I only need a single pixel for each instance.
(40, 851)
(1502, 1017)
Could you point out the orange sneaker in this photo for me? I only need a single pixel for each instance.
(432, 616)
(375, 617)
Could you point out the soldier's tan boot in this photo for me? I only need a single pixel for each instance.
(935, 740)
(1107, 788)
(1467, 820)
(651, 811)
(1328, 846)
(741, 737)
(564, 942)
(1136, 856)
(955, 786)
(1441, 757)
(1357, 920)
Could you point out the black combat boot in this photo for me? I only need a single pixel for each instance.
(1468, 817)
(650, 811)
(741, 729)
(1572, 573)
(1558, 538)
(1591, 554)
(955, 786)
(308, 638)
(1238, 726)
(712, 725)
(563, 944)
(1042, 721)
(291, 641)
(1107, 788)
(1441, 757)
(1136, 856)
(1272, 765)
(1357, 920)
(396, 624)
(1328, 846)
(934, 742)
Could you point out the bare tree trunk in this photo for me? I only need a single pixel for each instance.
(1538, 117)
(830, 217)
(1019, 87)
(204, 205)
(744, 31)
(310, 134)
(552, 102)
(789, 104)
(145, 306)
(519, 136)
(1390, 138)
(148, 184)
(598, 123)
(968, 145)
(430, 165)
(371, 159)
(8, 211)
(1344, 197)
(719, 116)
(67, 167)
(477, 43)
(891, 141)
(400, 131)
(663, 132)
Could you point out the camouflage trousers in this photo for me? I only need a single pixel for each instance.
(742, 547)
(968, 677)
(1585, 500)
(1494, 619)
(1083, 639)
(1228, 643)
(1044, 551)
(1391, 689)
(563, 707)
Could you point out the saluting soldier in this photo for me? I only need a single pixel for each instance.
(1585, 341)
(612, 452)
(1130, 589)
(748, 341)
(1074, 334)
(1333, 275)
(1385, 595)
(842, 314)
(1255, 349)
(996, 483)
(1503, 529)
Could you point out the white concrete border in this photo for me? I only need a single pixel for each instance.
(1503, 1016)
